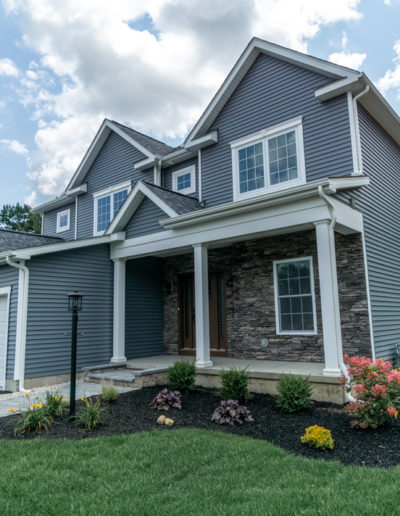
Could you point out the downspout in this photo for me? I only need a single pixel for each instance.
(199, 175)
(332, 211)
(22, 319)
(356, 125)
(157, 172)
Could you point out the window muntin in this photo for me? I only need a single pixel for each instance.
(119, 199)
(106, 205)
(184, 180)
(282, 155)
(294, 297)
(63, 221)
(251, 168)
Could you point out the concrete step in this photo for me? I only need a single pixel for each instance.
(121, 377)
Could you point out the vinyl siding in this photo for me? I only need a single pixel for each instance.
(272, 92)
(113, 165)
(145, 220)
(144, 308)
(52, 276)
(167, 175)
(50, 223)
(379, 203)
(9, 278)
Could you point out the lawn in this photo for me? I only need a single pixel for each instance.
(185, 472)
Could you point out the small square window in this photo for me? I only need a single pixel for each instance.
(63, 221)
(184, 181)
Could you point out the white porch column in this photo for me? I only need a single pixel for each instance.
(331, 327)
(201, 306)
(119, 312)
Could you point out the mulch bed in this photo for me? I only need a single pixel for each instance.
(130, 413)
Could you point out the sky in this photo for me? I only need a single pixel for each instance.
(154, 65)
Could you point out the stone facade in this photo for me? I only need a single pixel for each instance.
(250, 304)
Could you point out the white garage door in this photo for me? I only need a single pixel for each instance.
(4, 300)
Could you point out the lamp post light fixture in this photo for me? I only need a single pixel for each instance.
(74, 306)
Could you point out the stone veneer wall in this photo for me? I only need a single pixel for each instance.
(250, 305)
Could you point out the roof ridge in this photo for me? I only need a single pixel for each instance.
(139, 132)
(29, 234)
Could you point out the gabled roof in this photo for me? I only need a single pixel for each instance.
(252, 51)
(172, 203)
(151, 144)
(11, 240)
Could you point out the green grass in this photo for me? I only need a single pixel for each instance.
(184, 472)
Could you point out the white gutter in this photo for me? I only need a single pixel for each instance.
(357, 128)
(22, 317)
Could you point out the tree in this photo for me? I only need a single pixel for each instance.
(19, 217)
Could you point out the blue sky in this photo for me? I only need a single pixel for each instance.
(64, 67)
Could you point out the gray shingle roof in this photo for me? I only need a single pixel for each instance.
(11, 240)
(152, 145)
(180, 203)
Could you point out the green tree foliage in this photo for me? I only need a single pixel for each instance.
(19, 217)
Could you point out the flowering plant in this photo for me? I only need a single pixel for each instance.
(230, 412)
(34, 419)
(167, 399)
(376, 388)
(318, 437)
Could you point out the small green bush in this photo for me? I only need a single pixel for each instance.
(234, 384)
(33, 420)
(109, 393)
(294, 393)
(181, 376)
(54, 404)
(91, 414)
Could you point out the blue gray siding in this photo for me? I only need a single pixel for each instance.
(144, 308)
(272, 92)
(9, 278)
(113, 165)
(145, 220)
(52, 276)
(167, 175)
(380, 205)
(50, 223)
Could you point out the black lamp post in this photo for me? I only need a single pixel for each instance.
(74, 306)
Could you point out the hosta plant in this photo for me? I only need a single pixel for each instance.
(230, 412)
(91, 414)
(375, 386)
(318, 437)
(167, 399)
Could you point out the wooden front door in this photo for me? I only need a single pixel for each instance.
(217, 310)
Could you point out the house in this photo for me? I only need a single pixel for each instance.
(270, 236)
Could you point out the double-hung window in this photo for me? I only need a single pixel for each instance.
(269, 160)
(184, 180)
(294, 297)
(63, 220)
(106, 205)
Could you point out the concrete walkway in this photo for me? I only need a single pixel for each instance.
(18, 401)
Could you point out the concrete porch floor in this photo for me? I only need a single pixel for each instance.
(311, 369)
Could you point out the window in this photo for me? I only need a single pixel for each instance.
(106, 205)
(294, 297)
(184, 180)
(269, 160)
(63, 221)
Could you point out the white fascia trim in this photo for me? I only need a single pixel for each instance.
(132, 141)
(353, 133)
(192, 170)
(26, 254)
(60, 214)
(132, 203)
(339, 87)
(371, 324)
(269, 131)
(276, 296)
(65, 198)
(5, 291)
(112, 189)
(203, 141)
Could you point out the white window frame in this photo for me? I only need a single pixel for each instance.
(181, 172)
(61, 214)
(263, 136)
(276, 295)
(105, 193)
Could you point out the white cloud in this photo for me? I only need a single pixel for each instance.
(351, 60)
(92, 64)
(391, 79)
(7, 67)
(15, 146)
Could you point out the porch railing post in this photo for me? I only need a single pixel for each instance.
(330, 310)
(119, 312)
(201, 306)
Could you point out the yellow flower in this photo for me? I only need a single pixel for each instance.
(33, 405)
(39, 405)
(10, 410)
(57, 398)
(396, 414)
(82, 399)
(27, 394)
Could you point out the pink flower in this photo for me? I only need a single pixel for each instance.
(391, 411)
(379, 390)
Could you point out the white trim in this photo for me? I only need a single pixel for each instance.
(110, 191)
(76, 218)
(263, 137)
(65, 198)
(200, 175)
(183, 171)
(353, 136)
(276, 295)
(201, 306)
(61, 229)
(5, 291)
(371, 325)
(119, 312)
(42, 225)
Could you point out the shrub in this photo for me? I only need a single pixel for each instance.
(34, 419)
(54, 404)
(318, 437)
(180, 376)
(231, 413)
(109, 393)
(375, 386)
(166, 399)
(234, 384)
(91, 414)
(294, 393)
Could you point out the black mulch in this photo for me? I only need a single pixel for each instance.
(131, 413)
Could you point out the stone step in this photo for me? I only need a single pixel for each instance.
(121, 377)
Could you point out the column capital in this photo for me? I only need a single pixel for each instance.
(322, 222)
(201, 245)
